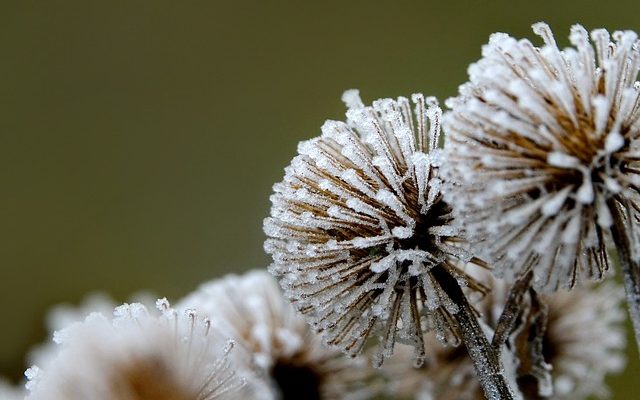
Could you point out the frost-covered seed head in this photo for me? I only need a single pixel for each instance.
(137, 355)
(358, 223)
(541, 143)
(294, 362)
(584, 342)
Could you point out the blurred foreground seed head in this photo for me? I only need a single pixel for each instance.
(542, 145)
(358, 224)
(140, 354)
(295, 364)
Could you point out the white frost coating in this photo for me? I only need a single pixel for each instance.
(605, 220)
(368, 188)
(351, 98)
(555, 202)
(614, 142)
(586, 193)
(537, 134)
(141, 352)
(381, 266)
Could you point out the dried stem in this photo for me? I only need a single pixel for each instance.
(485, 360)
(511, 311)
(630, 268)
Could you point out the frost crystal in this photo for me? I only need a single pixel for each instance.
(294, 362)
(358, 223)
(542, 148)
(579, 357)
(140, 354)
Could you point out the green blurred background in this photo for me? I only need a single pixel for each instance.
(140, 139)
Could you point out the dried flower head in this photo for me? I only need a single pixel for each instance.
(542, 145)
(358, 225)
(139, 355)
(295, 364)
(583, 342)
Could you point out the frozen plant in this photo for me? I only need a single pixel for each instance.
(543, 158)
(364, 245)
(140, 354)
(294, 362)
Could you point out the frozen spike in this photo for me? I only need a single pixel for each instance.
(555, 201)
(389, 172)
(605, 220)
(402, 232)
(585, 194)
(390, 200)
(524, 212)
(351, 177)
(381, 266)
(351, 98)
(571, 233)
(613, 142)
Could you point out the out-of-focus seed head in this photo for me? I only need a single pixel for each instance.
(140, 354)
(293, 361)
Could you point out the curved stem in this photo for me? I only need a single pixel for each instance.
(630, 268)
(485, 360)
(511, 311)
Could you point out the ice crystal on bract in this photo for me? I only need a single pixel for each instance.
(541, 144)
(139, 354)
(358, 225)
(583, 343)
(295, 363)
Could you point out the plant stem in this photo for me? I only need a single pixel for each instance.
(511, 311)
(630, 268)
(485, 360)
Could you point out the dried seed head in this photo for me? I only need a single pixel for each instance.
(137, 355)
(358, 223)
(579, 358)
(294, 362)
(541, 143)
